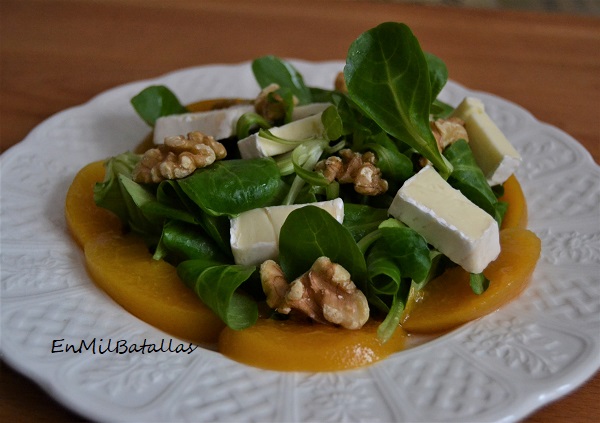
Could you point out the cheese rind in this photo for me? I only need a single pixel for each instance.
(306, 110)
(450, 222)
(255, 146)
(219, 123)
(254, 234)
(493, 152)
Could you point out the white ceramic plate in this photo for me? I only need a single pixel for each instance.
(498, 368)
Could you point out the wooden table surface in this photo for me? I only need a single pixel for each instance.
(58, 54)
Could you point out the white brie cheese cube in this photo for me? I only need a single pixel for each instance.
(219, 123)
(306, 110)
(256, 146)
(254, 234)
(450, 222)
(493, 153)
(467, 107)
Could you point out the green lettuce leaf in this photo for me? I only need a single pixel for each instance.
(156, 101)
(309, 233)
(218, 286)
(272, 70)
(230, 187)
(387, 75)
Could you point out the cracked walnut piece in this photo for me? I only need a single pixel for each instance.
(340, 83)
(178, 157)
(325, 293)
(448, 131)
(270, 105)
(356, 168)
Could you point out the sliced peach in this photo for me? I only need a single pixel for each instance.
(149, 289)
(295, 346)
(516, 215)
(84, 219)
(448, 301)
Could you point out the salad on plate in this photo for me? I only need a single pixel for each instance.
(342, 225)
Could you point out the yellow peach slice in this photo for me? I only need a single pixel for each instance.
(149, 289)
(516, 215)
(85, 220)
(448, 301)
(297, 346)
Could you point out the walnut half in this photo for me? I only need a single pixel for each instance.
(270, 105)
(325, 293)
(178, 157)
(356, 168)
(448, 131)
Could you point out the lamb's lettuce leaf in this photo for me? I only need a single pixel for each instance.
(156, 101)
(332, 122)
(469, 179)
(361, 219)
(152, 208)
(438, 74)
(395, 255)
(387, 76)
(182, 241)
(108, 193)
(129, 200)
(479, 283)
(309, 233)
(249, 122)
(392, 320)
(230, 187)
(441, 110)
(135, 198)
(217, 227)
(217, 285)
(408, 249)
(306, 153)
(395, 166)
(272, 70)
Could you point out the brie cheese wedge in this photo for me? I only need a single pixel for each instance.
(455, 226)
(493, 153)
(306, 110)
(256, 146)
(254, 234)
(219, 123)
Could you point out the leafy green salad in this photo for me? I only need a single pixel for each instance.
(387, 106)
